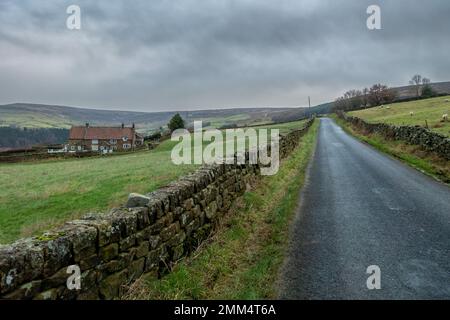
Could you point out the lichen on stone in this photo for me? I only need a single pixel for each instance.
(47, 236)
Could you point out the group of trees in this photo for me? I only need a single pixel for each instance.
(380, 94)
(11, 137)
(357, 99)
(422, 86)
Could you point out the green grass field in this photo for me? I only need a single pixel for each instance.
(33, 120)
(37, 196)
(283, 127)
(430, 110)
(217, 123)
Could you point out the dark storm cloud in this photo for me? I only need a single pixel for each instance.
(185, 54)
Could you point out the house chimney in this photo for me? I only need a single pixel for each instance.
(123, 125)
(133, 126)
(87, 124)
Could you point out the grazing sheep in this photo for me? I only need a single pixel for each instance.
(411, 113)
(388, 107)
(446, 100)
(445, 117)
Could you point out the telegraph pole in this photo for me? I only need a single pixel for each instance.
(309, 106)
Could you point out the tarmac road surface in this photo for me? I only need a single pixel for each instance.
(360, 208)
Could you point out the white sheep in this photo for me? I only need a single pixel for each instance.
(388, 107)
(411, 113)
(445, 117)
(447, 100)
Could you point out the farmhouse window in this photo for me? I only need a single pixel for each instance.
(113, 141)
(126, 146)
(95, 141)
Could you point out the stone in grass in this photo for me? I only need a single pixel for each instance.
(137, 200)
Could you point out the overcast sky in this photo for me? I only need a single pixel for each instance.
(157, 55)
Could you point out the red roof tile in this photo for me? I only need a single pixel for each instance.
(100, 133)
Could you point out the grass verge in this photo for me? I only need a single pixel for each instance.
(242, 258)
(426, 162)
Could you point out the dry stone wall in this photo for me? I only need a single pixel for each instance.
(146, 235)
(417, 135)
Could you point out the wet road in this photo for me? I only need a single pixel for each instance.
(361, 208)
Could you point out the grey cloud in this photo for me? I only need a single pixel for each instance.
(186, 54)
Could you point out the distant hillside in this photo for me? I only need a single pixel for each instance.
(321, 108)
(408, 92)
(48, 116)
(13, 138)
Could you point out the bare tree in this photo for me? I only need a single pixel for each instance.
(380, 93)
(389, 95)
(351, 100)
(375, 97)
(340, 104)
(357, 99)
(365, 97)
(418, 81)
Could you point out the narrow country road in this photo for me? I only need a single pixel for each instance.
(361, 208)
